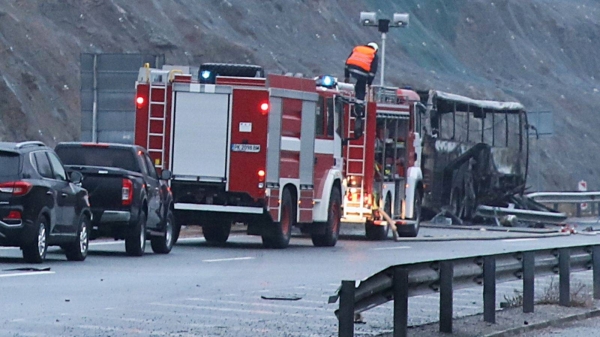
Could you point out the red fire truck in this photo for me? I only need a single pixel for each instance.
(383, 170)
(242, 147)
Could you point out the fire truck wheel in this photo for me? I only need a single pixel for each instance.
(217, 232)
(378, 232)
(413, 230)
(332, 227)
(279, 237)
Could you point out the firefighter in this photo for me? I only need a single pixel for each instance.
(362, 65)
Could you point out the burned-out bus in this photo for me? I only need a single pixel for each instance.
(475, 152)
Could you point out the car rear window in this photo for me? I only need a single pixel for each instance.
(9, 164)
(98, 156)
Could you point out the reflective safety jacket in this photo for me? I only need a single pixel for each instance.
(363, 60)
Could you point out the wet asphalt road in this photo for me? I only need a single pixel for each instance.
(203, 290)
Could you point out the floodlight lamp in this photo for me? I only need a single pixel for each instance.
(400, 20)
(368, 18)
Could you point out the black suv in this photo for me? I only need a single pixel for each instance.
(39, 205)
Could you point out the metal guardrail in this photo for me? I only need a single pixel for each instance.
(556, 198)
(400, 282)
(525, 215)
(565, 197)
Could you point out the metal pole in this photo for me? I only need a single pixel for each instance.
(400, 288)
(489, 289)
(528, 281)
(383, 38)
(346, 313)
(596, 271)
(95, 102)
(446, 276)
(564, 271)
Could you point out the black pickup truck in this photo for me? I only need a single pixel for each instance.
(127, 197)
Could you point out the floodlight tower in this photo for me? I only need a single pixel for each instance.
(370, 19)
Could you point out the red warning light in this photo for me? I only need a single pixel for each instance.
(140, 101)
(264, 108)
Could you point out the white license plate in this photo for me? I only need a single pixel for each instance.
(245, 148)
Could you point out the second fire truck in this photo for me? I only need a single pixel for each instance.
(383, 170)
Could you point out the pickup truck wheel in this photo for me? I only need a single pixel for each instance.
(164, 243)
(78, 250)
(35, 250)
(279, 236)
(332, 227)
(176, 231)
(217, 232)
(135, 242)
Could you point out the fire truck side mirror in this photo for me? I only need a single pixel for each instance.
(166, 175)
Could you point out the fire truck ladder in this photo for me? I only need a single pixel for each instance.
(158, 90)
(351, 207)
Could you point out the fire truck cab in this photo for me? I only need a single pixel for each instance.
(242, 147)
(383, 171)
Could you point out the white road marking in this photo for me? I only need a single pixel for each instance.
(103, 243)
(518, 240)
(391, 248)
(122, 242)
(230, 259)
(28, 274)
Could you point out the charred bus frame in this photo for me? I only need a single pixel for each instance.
(475, 152)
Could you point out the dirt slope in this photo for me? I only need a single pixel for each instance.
(539, 52)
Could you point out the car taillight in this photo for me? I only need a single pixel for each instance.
(13, 215)
(16, 188)
(127, 192)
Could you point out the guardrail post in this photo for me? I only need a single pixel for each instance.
(596, 271)
(346, 313)
(528, 281)
(446, 276)
(578, 213)
(564, 271)
(400, 289)
(489, 289)
(593, 208)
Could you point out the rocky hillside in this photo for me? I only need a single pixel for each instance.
(539, 52)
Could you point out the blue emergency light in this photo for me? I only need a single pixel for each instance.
(205, 74)
(326, 81)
